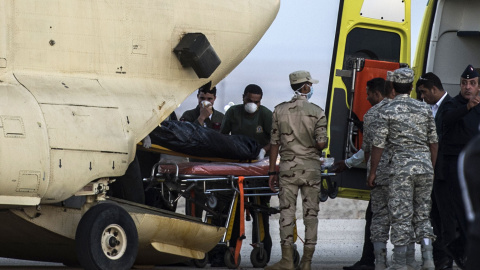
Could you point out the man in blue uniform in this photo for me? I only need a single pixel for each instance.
(460, 124)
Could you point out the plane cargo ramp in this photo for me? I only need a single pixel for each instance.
(164, 237)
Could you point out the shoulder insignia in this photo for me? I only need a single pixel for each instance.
(285, 102)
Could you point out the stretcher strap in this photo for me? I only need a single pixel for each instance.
(242, 220)
(260, 224)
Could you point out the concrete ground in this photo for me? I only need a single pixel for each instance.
(340, 239)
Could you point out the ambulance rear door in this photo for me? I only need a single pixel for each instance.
(372, 36)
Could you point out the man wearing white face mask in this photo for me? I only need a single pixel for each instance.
(253, 120)
(250, 118)
(204, 114)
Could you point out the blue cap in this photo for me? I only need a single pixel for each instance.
(470, 73)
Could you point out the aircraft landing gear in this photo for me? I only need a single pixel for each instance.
(201, 263)
(106, 238)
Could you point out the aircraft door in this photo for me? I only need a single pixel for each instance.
(372, 37)
(24, 155)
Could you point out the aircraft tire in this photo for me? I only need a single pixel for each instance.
(202, 262)
(258, 257)
(106, 238)
(230, 261)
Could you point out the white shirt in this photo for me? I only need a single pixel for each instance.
(356, 159)
(437, 105)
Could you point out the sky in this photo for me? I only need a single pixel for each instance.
(300, 38)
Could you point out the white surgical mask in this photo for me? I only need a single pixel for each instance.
(250, 107)
(205, 103)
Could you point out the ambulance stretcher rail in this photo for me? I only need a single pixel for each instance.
(233, 187)
(157, 165)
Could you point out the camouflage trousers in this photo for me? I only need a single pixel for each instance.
(409, 206)
(308, 182)
(380, 226)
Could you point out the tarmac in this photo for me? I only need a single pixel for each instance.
(340, 240)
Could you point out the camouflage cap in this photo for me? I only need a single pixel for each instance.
(403, 75)
(300, 77)
(389, 76)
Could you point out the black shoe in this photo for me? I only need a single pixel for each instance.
(457, 251)
(445, 263)
(360, 266)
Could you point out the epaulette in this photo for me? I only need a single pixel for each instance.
(281, 103)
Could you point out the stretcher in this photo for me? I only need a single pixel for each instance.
(218, 188)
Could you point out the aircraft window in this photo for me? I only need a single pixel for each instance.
(373, 44)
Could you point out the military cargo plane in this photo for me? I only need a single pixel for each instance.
(82, 82)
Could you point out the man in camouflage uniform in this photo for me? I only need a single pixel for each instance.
(407, 128)
(378, 93)
(380, 224)
(299, 135)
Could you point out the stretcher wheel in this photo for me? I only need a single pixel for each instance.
(323, 195)
(259, 257)
(201, 263)
(296, 258)
(230, 261)
(332, 190)
(212, 201)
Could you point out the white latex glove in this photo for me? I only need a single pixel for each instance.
(147, 142)
(261, 155)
